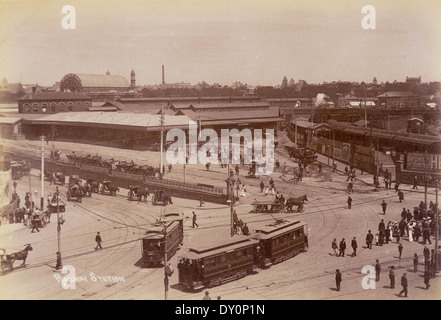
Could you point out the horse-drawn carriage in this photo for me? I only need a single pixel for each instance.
(161, 198)
(137, 193)
(305, 156)
(53, 205)
(74, 191)
(20, 169)
(108, 188)
(267, 206)
(55, 154)
(7, 260)
(39, 219)
(74, 179)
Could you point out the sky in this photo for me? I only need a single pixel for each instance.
(253, 41)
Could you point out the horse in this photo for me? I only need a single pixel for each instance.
(143, 193)
(295, 202)
(113, 190)
(166, 199)
(21, 255)
(94, 185)
(86, 189)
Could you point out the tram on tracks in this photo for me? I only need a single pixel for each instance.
(155, 244)
(216, 263)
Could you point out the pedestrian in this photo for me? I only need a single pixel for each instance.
(262, 186)
(14, 184)
(397, 186)
(350, 187)
(338, 279)
(349, 202)
(415, 183)
(98, 241)
(354, 246)
(400, 195)
(369, 239)
(427, 277)
(320, 167)
(387, 234)
(415, 263)
(207, 296)
(267, 190)
(334, 246)
(404, 284)
(334, 167)
(400, 250)
(377, 270)
(392, 277)
(59, 265)
(194, 220)
(201, 201)
(342, 248)
(384, 206)
(426, 253)
(34, 222)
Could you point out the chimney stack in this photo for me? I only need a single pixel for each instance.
(163, 75)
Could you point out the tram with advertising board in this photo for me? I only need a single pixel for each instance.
(227, 260)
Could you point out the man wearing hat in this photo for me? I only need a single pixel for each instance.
(207, 296)
(98, 241)
(377, 271)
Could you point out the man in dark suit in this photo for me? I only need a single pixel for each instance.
(404, 284)
(338, 279)
(377, 271)
(369, 239)
(342, 248)
(354, 247)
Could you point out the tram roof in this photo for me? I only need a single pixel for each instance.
(215, 248)
(272, 230)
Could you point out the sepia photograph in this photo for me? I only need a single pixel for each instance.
(237, 150)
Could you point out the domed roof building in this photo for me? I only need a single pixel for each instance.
(100, 87)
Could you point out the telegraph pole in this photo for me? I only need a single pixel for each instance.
(58, 224)
(437, 226)
(165, 261)
(426, 162)
(231, 199)
(42, 139)
(161, 121)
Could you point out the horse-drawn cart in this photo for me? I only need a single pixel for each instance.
(108, 188)
(52, 206)
(7, 260)
(137, 193)
(161, 198)
(266, 206)
(74, 192)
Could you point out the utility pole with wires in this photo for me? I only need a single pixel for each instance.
(162, 121)
(43, 140)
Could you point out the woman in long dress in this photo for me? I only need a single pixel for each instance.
(410, 231)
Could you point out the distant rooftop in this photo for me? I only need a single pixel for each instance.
(54, 96)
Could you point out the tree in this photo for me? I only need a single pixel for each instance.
(284, 82)
(291, 83)
(375, 81)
